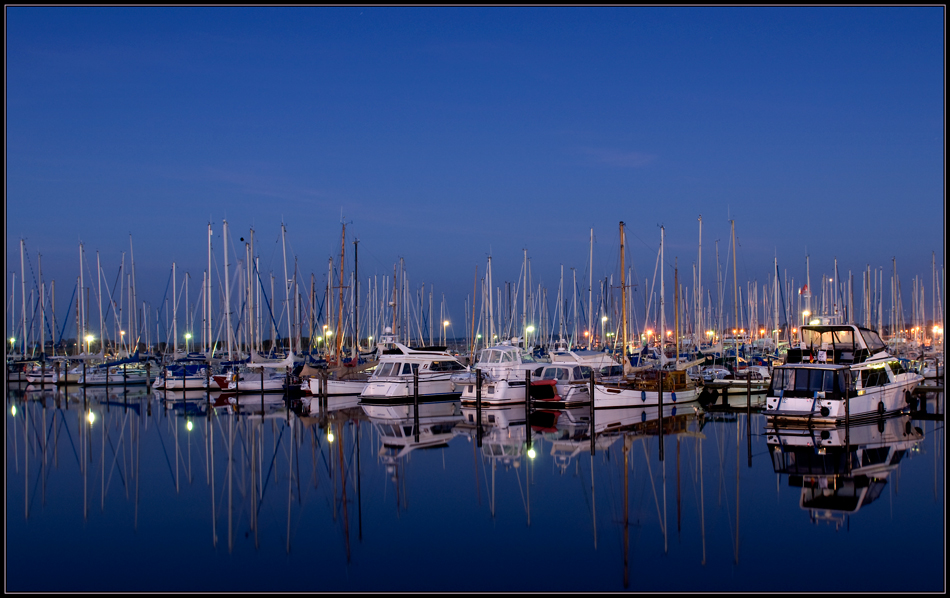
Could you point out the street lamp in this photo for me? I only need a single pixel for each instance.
(89, 339)
(187, 338)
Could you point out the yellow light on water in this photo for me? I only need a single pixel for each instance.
(13, 410)
(531, 453)
(189, 425)
(330, 437)
(91, 417)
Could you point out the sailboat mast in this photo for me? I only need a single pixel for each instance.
(623, 296)
(662, 300)
(590, 294)
(227, 293)
(676, 308)
(735, 284)
(356, 299)
(339, 319)
(283, 237)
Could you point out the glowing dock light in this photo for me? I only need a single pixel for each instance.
(530, 329)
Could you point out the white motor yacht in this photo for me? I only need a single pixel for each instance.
(392, 380)
(838, 366)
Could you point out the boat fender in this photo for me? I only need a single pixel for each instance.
(824, 413)
(643, 416)
(880, 408)
(673, 394)
(643, 396)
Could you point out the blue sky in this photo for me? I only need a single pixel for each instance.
(445, 135)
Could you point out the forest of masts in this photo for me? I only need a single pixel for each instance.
(236, 308)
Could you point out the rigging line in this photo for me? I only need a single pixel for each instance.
(270, 469)
(165, 451)
(270, 310)
(656, 500)
(72, 444)
(115, 457)
(66, 320)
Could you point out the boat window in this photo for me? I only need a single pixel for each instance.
(585, 373)
(872, 340)
(875, 456)
(483, 355)
(508, 357)
(494, 357)
(446, 366)
(409, 368)
(555, 374)
(386, 369)
(897, 367)
(528, 358)
(873, 377)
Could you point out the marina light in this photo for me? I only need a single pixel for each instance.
(586, 333)
(91, 417)
(330, 436)
(531, 453)
(329, 333)
(445, 323)
(90, 338)
(13, 410)
(369, 338)
(187, 336)
(189, 425)
(122, 333)
(530, 329)
(478, 336)
(649, 333)
(603, 319)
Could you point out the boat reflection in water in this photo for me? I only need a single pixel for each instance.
(840, 470)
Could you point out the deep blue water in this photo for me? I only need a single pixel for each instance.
(135, 501)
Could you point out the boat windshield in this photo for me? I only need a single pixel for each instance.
(385, 370)
(561, 374)
(808, 381)
(496, 356)
(825, 338)
(872, 340)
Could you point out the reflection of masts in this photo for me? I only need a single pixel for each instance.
(626, 509)
(214, 515)
(230, 485)
(738, 432)
(346, 519)
(593, 498)
(702, 506)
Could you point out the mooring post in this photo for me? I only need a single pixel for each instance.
(478, 407)
(660, 405)
(591, 392)
(748, 415)
(415, 402)
(527, 407)
(847, 422)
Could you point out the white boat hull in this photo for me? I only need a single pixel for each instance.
(617, 396)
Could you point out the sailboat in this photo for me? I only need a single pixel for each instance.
(640, 386)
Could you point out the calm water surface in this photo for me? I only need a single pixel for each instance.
(128, 491)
